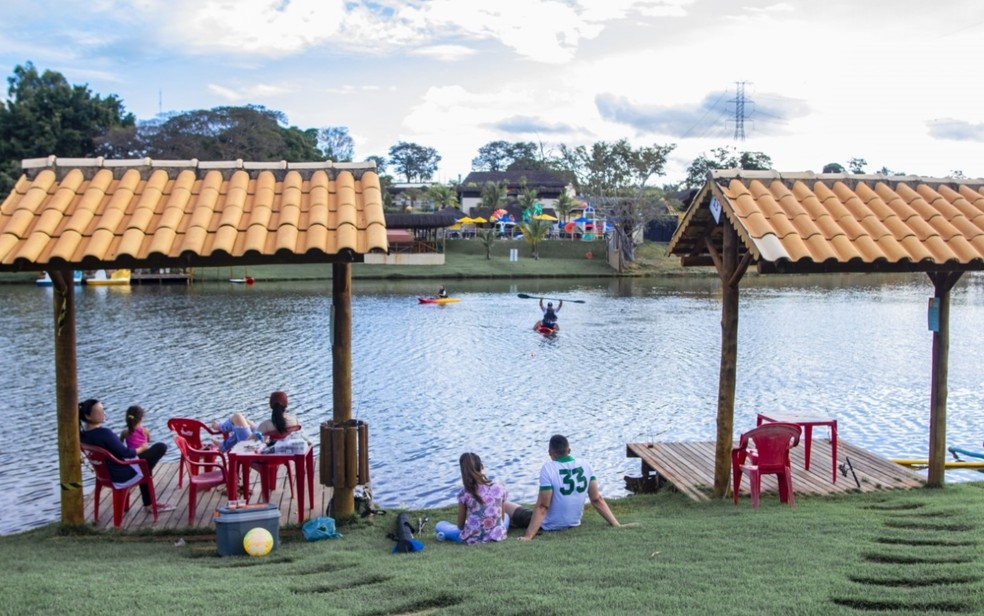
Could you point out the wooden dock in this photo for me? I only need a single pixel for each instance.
(166, 487)
(689, 467)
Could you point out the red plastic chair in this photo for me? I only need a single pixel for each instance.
(207, 469)
(765, 451)
(191, 430)
(99, 458)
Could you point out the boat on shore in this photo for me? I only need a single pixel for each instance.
(45, 280)
(102, 279)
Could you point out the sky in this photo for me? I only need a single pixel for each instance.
(896, 83)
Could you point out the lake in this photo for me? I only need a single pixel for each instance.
(637, 361)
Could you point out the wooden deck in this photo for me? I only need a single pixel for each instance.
(166, 487)
(689, 467)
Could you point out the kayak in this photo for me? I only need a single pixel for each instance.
(438, 300)
(546, 331)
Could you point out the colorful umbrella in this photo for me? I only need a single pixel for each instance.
(546, 217)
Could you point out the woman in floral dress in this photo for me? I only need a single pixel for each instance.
(481, 514)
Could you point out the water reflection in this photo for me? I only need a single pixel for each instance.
(637, 361)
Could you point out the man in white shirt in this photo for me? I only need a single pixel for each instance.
(565, 483)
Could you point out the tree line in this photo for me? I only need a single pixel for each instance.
(44, 114)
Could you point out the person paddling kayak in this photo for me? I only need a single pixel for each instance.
(549, 320)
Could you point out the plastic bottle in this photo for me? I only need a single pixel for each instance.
(446, 531)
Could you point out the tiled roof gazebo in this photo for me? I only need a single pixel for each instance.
(815, 223)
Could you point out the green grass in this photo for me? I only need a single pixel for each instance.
(898, 553)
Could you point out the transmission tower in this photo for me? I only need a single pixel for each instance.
(740, 111)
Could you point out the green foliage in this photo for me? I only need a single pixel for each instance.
(493, 195)
(564, 205)
(442, 196)
(904, 553)
(487, 237)
(614, 169)
(336, 144)
(505, 156)
(45, 115)
(834, 168)
(724, 158)
(229, 133)
(415, 162)
(534, 232)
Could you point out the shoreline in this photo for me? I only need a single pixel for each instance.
(465, 259)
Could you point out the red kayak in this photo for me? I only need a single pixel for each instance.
(546, 331)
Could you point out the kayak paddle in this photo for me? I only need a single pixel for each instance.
(570, 301)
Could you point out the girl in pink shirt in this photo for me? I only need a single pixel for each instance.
(135, 434)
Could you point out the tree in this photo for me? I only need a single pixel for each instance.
(834, 168)
(857, 165)
(534, 232)
(650, 162)
(380, 163)
(493, 156)
(415, 162)
(724, 158)
(227, 133)
(493, 195)
(564, 205)
(45, 115)
(505, 156)
(336, 143)
(527, 202)
(442, 196)
(487, 237)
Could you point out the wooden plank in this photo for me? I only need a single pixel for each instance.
(167, 490)
(689, 467)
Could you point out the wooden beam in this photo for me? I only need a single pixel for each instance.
(739, 272)
(343, 496)
(67, 399)
(943, 282)
(729, 360)
(715, 257)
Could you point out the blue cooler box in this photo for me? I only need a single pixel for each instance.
(231, 525)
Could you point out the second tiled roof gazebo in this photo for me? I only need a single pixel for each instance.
(816, 223)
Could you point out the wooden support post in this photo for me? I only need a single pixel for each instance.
(67, 399)
(338, 459)
(363, 453)
(343, 496)
(942, 282)
(730, 276)
(351, 455)
(326, 464)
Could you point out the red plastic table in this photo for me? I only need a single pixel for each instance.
(807, 421)
(242, 455)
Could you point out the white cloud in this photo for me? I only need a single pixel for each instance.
(448, 53)
(245, 95)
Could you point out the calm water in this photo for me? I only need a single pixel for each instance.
(637, 361)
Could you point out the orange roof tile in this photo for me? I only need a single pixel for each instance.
(807, 222)
(96, 213)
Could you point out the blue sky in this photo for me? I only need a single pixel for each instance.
(894, 82)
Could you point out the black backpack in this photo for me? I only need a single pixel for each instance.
(403, 535)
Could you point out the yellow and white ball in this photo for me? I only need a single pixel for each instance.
(258, 542)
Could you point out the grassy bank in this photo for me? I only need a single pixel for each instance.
(466, 259)
(898, 553)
